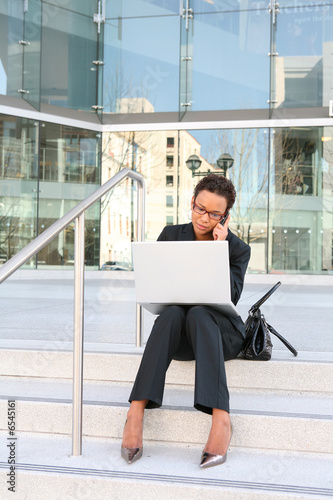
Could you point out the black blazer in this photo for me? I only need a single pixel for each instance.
(239, 256)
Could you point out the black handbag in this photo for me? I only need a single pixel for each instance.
(258, 343)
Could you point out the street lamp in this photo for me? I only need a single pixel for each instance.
(193, 162)
(224, 162)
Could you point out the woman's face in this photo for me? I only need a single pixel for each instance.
(203, 226)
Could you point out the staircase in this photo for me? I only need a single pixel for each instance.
(282, 446)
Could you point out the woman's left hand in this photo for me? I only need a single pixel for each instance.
(220, 232)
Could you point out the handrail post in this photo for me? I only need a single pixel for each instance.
(139, 325)
(141, 201)
(78, 335)
(77, 215)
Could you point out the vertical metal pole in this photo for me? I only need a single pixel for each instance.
(140, 236)
(78, 335)
(139, 325)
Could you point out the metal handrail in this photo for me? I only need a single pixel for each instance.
(77, 214)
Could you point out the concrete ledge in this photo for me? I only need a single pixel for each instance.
(68, 274)
(168, 471)
(245, 401)
(294, 433)
(290, 279)
(294, 374)
(62, 274)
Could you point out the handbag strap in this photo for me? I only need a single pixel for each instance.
(285, 341)
(263, 299)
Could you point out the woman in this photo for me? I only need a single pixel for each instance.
(195, 332)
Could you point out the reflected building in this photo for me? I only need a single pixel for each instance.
(90, 87)
(160, 156)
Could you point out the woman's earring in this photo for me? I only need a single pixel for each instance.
(189, 215)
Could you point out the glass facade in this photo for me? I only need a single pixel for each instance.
(304, 40)
(19, 185)
(45, 170)
(140, 76)
(301, 204)
(282, 177)
(69, 75)
(11, 59)
(94, 86)
(258, 57)
(230, 59)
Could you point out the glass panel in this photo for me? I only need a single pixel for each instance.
(68, 51)
(31, 52)
(300, 212)
(77, 6)
(325, 189)
(145, 152)
(68, 155)
(170, 187)
(249, 174)
(100, 72)
(186, 66)
(11, 32)
(201, 6)
(304, 6)
(304, 42)
(68, 172)
(19, 185)
(141, 76)
(138, 8)
(60, 251)
(230, 63)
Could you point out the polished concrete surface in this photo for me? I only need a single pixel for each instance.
(42, 310)
(168, 471)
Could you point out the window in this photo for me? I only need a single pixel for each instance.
(169, 180)
(169, 220)
(169, 201)
(169, 161)
(170, 142)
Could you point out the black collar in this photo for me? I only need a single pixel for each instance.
(188, 233)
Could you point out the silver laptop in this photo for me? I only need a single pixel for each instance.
(182, 272)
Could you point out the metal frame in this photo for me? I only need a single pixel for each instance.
(198, 124)
(77, 214)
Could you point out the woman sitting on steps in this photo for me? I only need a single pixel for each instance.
(195, 332)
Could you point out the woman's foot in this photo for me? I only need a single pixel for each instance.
(220, 433)
(132, 434)
(131, 447)
(215, 451)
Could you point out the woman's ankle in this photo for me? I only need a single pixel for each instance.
(221, 417)
(137, 409)
(220, 433)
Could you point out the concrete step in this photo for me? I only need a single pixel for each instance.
(309, 371)
(175, 396)
(277, 420)
(168, 471)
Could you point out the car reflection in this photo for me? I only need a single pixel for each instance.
(112, 265)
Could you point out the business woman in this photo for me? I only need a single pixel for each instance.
(195, 332)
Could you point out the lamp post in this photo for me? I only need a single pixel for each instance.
(224, 162)
(193, 162)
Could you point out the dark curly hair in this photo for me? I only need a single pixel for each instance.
(219, 185)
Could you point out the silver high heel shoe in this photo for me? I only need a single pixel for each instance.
(131, 454)
(210, 459)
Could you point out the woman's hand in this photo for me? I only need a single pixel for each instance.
(220, 232)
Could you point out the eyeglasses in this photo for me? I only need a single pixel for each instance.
(215, 217)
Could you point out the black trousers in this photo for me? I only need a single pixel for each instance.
(186, 333)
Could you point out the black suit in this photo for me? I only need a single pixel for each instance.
(239, 256)
(195, 332)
